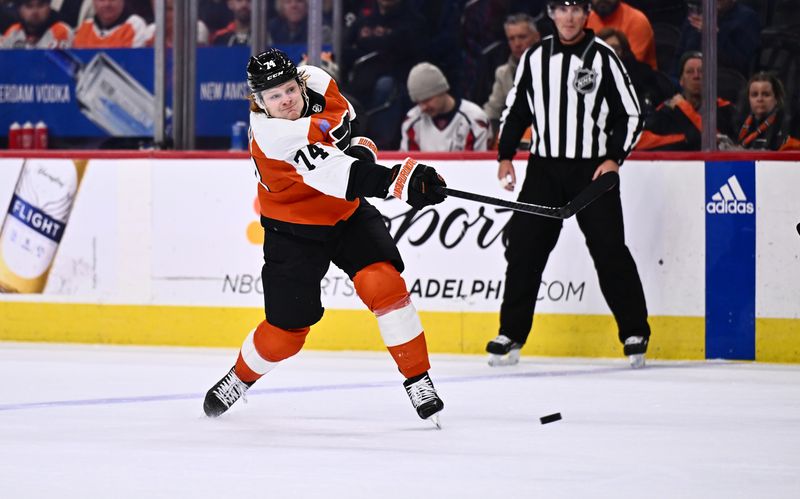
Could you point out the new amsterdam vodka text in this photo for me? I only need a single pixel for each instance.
(34, 224)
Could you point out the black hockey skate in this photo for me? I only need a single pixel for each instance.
(635, 347)
(424, 397)
(224, 393)
(503, 351)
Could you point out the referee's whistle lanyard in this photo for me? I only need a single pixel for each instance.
(585, 50)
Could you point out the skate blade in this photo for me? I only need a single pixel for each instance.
(637, 361)
(509, 359)
(435, 420)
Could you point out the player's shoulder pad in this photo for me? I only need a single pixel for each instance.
(318, 79)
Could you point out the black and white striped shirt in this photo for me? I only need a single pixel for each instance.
(578, 99)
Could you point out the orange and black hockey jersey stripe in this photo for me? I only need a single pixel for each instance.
(303, 173)
(131, 33)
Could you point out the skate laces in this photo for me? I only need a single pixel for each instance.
(422, 391)
(231, 389)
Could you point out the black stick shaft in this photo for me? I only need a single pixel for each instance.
(601, 185)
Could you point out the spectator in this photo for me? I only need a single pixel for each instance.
(651, 87)
(676, 125)
(113, 26)
(396, 34)
(439, 122)
(521, 34)
(737, 34)
(291, 24)
(766, 125)
(38, 27)
(619, 15)
(169, 27)
(238, 31)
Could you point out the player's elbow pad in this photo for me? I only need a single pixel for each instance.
(368, 179)
(363, 148)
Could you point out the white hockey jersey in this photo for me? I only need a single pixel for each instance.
(468, 130)
(301, 168)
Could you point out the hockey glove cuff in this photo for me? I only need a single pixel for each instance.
(414, 183)
(363, 148)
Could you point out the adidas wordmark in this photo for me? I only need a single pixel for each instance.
(730, 199)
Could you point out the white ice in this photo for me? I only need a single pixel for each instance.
(126, 422)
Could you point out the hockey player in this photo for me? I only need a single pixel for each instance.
(313, 176)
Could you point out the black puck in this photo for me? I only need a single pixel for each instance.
(550, 418)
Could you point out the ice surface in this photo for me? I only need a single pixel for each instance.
(127, 422)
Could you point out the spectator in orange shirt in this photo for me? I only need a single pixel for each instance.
(113, 26)
(676, 125)
(38, 27)
(632, 22)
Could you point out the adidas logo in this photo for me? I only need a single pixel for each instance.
(730, 199)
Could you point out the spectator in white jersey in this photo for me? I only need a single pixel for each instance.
(439, 121)
(38, 27)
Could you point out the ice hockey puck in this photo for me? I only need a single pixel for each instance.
(550, 418)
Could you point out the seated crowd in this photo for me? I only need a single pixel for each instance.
(434, 74)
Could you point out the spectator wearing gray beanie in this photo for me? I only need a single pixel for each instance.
(425, 81)
(440, 122)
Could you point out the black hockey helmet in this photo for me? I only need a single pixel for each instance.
(269, 69)
(552, 4)
(583, 3)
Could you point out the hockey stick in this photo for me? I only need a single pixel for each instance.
(600, 186)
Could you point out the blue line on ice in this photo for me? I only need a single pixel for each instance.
(320, 388)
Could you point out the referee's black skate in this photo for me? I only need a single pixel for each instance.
(635, 347)
(424, 397)
(503, 351)
(224, 393)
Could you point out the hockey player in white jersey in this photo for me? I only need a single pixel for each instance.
(313, 177)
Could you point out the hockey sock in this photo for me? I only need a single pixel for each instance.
(265, 347)
(383, 290)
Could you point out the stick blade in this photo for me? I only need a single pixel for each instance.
(600, 186)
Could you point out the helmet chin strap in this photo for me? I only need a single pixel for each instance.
(304, 91)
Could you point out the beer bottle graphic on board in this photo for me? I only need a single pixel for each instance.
(34, 224)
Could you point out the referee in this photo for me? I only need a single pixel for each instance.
(575, 93)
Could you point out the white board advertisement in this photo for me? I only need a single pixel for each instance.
(187, 232)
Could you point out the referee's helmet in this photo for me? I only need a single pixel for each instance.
(552, 4)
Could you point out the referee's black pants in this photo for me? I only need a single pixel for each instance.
(531, 238)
